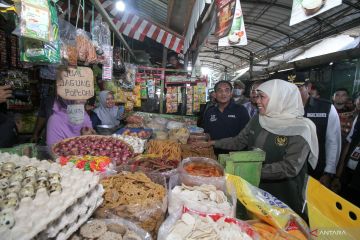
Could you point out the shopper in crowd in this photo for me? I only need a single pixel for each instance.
(314, 91)
(7, 123)
(68, 120)
(347, 179)
(238, 93)
(288, 139)
(226, 119)
(107, 113)
(205, 107)
(345, 111)
(324, 116)
(251, 106)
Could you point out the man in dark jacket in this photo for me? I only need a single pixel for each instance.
(226, 119)
(7, 124)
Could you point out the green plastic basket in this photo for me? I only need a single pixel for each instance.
(246, 164)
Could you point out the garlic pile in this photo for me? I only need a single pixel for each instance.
(137, 144)
(204, 198)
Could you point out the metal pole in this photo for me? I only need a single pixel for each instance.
(251, 65)
(112, 26)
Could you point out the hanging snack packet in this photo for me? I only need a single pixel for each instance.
(34, 20)
(267, 207)
(85, 49)
(36, 51)
(68, 43)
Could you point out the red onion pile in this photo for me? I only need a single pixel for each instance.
(114, 148)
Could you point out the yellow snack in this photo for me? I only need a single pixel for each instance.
(265, 206)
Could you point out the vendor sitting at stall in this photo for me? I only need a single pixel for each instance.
(69, 119)
(288, 138)
(106, 113)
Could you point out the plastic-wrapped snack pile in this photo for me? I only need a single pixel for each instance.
(196, 227)
(111, 229)
(135, 197)
(204, 198)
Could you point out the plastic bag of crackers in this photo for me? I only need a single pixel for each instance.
(136, 196)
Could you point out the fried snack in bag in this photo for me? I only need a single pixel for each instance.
(267, 207)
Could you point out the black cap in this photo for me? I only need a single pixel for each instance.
(298, 78)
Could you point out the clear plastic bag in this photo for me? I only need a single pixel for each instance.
(85, 48)
(68, 43)
(195, 179)
(35, 51)
(107, 63)
(167, 230)
(101, 37)
(149, 214)
(266, 207)
(178, 200)
(120, 226)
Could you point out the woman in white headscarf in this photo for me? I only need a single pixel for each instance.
(288, 139)
(107, 112)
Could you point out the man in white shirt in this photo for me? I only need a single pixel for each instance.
(347, 180)
(326, 119)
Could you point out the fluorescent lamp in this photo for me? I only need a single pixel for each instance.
(120, 6)
(205, 70)
(284, 70)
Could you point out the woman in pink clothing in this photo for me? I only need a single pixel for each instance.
(69, 119)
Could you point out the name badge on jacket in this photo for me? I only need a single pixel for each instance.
(319, 115)
(231, 116)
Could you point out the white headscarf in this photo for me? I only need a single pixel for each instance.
(108, 116)
(284, 115)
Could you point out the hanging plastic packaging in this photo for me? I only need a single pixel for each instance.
(85, 48)
(101, 39)
(34, 20)
(68, 43)
(108, 63)
(36, 51)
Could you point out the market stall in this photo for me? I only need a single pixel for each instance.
(143, 176)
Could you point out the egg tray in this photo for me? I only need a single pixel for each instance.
(35, 215)
(63, 227)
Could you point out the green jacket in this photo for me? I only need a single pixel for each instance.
(284, 170)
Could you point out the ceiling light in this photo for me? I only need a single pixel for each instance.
(284, 70)
(120, 6)
(205, 70)
(331, 63)
(189, 68)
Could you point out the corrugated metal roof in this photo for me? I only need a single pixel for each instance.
(269, 33)
(152, 9)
